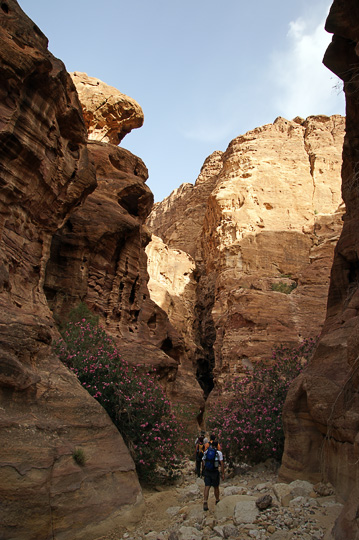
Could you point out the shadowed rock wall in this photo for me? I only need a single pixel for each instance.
(322, 408)
(98, 257)
(45, 172)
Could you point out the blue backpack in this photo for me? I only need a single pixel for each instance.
(210, 459)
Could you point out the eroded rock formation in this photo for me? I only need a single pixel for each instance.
(179, 218)
(245, 267)
(109, 115)
(98, 257)
(261, 223)
(45, 415)
(321, 412)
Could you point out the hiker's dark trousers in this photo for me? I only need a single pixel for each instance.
(198, 467)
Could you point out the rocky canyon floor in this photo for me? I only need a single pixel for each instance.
(296, 511)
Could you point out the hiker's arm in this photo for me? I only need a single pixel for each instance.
(222, 469)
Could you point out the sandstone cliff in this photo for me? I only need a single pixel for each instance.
(261, 223)
(45, 415)
(98, 257)
(321, 412)
(178, 220)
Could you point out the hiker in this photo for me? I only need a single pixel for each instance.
(199, 456)
(211, 439)
(213, 462)
(203, 435)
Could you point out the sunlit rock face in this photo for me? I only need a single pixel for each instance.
(261, 223)
(321, 412)
(271, 226)
(178, 220)
(109, 115)
(45, 172)
(172, 286)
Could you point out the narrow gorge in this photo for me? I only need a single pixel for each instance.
(198, 287)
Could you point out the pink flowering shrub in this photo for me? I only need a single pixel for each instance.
(249, 424)
(133, 398)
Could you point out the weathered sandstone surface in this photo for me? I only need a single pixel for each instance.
(261, 223)
(98, 257)
(45, 172)
(321, 412)
(179, 218)
(109, 115)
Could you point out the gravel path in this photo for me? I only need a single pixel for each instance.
(297, 511)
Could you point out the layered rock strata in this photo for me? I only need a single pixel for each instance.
(109, 115)
(321, 411)
(98, 257)
(261, 223)
(179, 218)
(45, 415)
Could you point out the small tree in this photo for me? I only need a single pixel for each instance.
(249, 424)
(132, 397)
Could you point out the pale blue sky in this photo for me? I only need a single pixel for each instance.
(203, 71)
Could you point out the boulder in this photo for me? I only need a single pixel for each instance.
(245, 511)
(109, 115)
(286, 492)
(226, 507)
(189, 533)
(264, 502)
(189, 493)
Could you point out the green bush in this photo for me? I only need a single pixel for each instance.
(79, 456)
(249, 424)
(282, 287)
(133, 398)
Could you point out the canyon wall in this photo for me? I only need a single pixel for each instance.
(261, 224)
(322, 409)
(46, 171)
(240, 263)
(98, 255)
